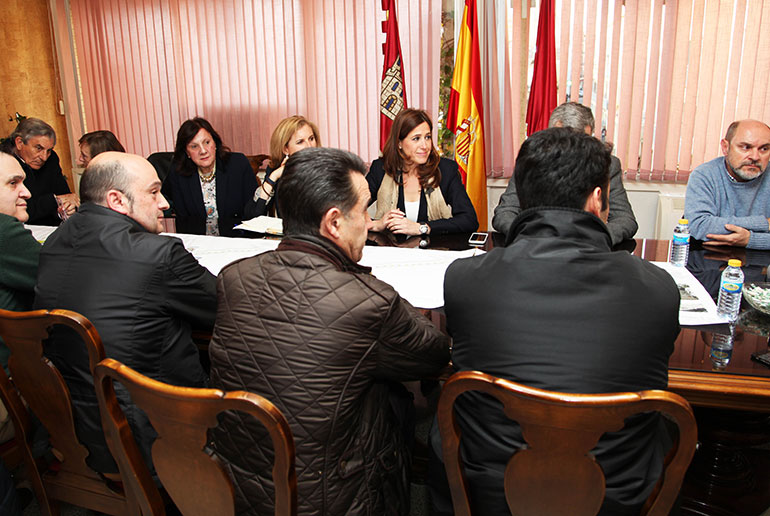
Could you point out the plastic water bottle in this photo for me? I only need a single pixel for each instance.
(680, 247)
(730, 288)
(721, 349)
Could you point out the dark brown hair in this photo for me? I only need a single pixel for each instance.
(186, 133)
(101, 141)
(405, 122)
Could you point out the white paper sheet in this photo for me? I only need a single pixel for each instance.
(416, 274)
(263, 224)
(40, 232)
(696, 307)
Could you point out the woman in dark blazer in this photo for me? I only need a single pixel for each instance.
(417, 192)
(210, 188)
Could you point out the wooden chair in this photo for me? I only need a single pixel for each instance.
(545, 479)
(181, 416)
(41, 385)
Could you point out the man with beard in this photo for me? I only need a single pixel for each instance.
(728, 198)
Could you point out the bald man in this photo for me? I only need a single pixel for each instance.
(728, 198)
(142, 291)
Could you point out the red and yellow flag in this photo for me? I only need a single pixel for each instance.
(465, 114)
(392, 88)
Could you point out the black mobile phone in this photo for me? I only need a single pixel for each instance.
(478, 239)
(764, 358)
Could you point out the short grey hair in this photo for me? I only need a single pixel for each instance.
(573, 115)
(31, 127)
(103, 176)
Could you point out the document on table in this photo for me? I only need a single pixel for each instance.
(696, 307)
(263, 224)
(215, 253)
(416, 274)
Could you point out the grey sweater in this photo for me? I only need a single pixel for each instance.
(714, 199)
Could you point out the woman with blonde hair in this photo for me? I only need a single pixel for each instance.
(290, 135)
(417, 191)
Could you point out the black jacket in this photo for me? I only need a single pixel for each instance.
(463, 218)
(323, 339)
(142, 292)
(557, 309)
(236, 184)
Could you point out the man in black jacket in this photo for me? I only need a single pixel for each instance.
(556, 309)
(315, 333)
(142, 291)
(31, 143)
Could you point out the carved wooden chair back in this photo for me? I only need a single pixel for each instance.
(181, 416)
(43, 389)
(556, 473)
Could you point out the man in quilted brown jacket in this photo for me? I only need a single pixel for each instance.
(309, 329)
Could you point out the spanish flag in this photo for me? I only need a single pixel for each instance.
(465, 114)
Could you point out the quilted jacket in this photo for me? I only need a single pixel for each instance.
(324, 340)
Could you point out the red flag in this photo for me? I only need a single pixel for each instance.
(542, 92)
(465, 114)
(392, 87)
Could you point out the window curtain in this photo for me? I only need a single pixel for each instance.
(664, 78)
(145, 66)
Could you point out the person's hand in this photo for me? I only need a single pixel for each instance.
(738, 237)
(403, 226)
(276, 174)
(69, 202)
(384, 223)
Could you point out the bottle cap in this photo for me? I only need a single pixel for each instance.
(684, 221)
(734, 263)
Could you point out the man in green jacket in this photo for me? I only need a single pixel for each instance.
(19, 254)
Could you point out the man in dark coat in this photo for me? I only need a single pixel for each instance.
(315, 333)
(142, 291)
(556, 309)
(31, 143)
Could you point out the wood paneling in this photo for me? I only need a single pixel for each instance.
(28, 74)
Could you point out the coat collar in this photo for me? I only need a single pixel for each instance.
(92, 209)
(324, 248)
(560, 223)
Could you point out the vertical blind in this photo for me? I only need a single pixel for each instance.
(145, 66)
(665, 78)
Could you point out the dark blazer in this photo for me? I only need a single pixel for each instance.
(236, 184)
(556, 309)
(463, 218)
(143, 292)
(263, 207)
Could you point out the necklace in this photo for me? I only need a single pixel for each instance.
(207, 178)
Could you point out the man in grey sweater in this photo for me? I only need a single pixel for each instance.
(728, 198)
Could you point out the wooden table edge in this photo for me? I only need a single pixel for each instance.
(721, 390)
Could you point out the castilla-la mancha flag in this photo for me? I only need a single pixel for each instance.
(542, 91)
(392, 87)
(465, 113)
